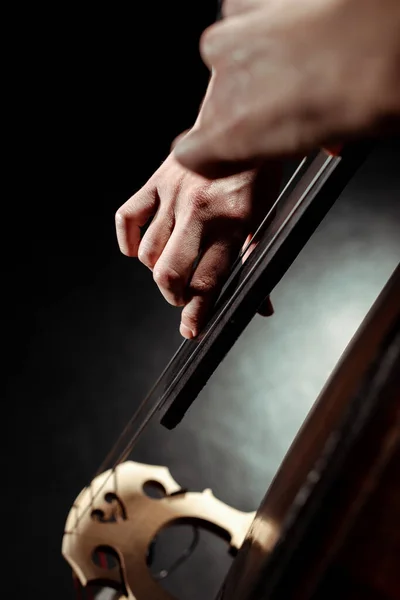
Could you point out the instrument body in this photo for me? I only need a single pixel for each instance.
(336, 498)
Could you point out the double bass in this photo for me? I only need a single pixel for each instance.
(329, 523)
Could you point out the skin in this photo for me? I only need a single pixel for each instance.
(194, 219)
(287, 76)
(292, 75)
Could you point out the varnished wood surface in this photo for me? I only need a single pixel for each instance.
(367, 566)
(338, 469)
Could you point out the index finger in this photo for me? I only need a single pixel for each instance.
(133, 215)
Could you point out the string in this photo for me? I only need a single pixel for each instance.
(261, 227)
(126, 450)
(237, 264)
(161, 575)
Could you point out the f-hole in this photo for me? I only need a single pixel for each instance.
(114, 512)
(175, 558)
(107, 559)
(154, 489)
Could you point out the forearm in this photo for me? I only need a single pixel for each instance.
(294, 75)
(202, 105)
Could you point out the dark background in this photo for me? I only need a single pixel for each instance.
(101, 94)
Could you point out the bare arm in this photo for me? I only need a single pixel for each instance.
(290, 76)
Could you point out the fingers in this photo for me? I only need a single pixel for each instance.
(174, 268)
(205, 285)
(133, 215)
(156, 237)
(189, 214)
(193, 316)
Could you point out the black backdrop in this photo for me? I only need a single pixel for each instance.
(97, 94)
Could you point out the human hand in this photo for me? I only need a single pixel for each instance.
(197, 229)
(290, 76)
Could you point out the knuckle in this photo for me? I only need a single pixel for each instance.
(216, 42)
(191, 319)
(123, 238)
(200, 200)
(235, 213)
(169, 187)
(147, 255)
(120, 219)
(208, 41)
(203, 284)
(239, 211)
(167, 277)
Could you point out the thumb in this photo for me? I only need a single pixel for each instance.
(193, 151)
(179, 138)
(200, 151)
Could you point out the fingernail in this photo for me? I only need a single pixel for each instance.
(186, 332)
